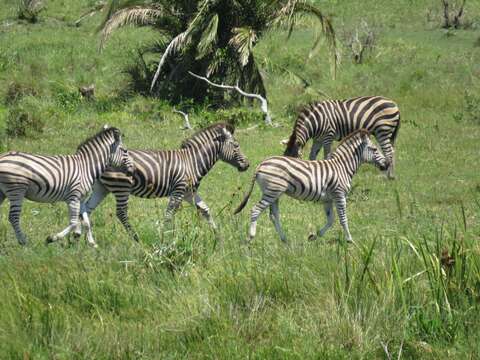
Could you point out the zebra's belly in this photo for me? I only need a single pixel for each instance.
(316, 195)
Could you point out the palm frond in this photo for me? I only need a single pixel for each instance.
(243, 41)
(129, 16)
(209, 37)
(177, 43)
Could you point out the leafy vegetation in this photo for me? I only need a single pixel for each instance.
(411, 285)
(212, 37)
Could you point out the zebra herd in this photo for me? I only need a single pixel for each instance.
(102, 165)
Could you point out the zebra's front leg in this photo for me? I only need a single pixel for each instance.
(14, 219)
(275, 217)
(202, 207)
(316, 147)
(173, 204)
(99, 192)
(122, 214)
(327, 148)
(328, 207)
(74, 210)
(85, 221)
(341, 204)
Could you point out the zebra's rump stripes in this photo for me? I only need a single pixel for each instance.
(328, 181)
(330, 120)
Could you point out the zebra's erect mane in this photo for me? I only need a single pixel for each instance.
(214, 127)
(354, 134)
(112, 130)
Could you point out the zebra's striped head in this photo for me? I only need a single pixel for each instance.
(230, 151)
(119, 156)
(370, 153)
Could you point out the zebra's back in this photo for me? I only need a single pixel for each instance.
(45, 178)
(157, 172)
(300, 179)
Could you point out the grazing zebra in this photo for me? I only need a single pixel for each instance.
(334, 119)
(324, 180)
(66, 178)
(173, 173)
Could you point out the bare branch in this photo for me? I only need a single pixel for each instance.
(263, 101)
(185, 116)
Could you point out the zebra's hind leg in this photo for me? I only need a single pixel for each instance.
(122, 213)
(257, 209)
(341, 204)
(275, 217)
(74, 210)
(16, 201)
(383, 139)
(328, 207)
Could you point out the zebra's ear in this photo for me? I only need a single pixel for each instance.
(106, 127)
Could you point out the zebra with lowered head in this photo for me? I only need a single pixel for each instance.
(173, 173)
(334, 119)
(68, 178)
(327, 181)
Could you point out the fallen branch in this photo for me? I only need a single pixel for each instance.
(185, 116)
(263, 101)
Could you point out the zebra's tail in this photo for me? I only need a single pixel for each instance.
(395, 132)
(247, 196)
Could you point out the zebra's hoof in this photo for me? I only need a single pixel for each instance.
(312, 237)
(76, 235)
(50, 240)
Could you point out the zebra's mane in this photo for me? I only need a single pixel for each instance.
(113, 130)
(354, 134)
(298, 121)
(212, 128)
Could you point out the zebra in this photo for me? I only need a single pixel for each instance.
(68, 178)
(173, 173)
(334, 119)
(327, 181)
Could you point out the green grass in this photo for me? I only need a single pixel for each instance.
(182, 298)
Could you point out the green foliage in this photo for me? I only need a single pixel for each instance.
(471, 109)
(239, 117)
(29, 10)
(25, 118)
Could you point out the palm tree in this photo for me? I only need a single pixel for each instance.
(209, 37)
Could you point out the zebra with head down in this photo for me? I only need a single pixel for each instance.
(327, 181)
(173, 173)
(68, 178)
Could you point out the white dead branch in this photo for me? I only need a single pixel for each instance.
(263, 101)
(185, 116)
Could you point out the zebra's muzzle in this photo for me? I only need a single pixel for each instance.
(243, 166)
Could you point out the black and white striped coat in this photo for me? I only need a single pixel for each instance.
(330, 120)
(327, 181)
(173, 173)
(66, 178)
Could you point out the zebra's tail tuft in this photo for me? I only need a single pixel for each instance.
(247, 196)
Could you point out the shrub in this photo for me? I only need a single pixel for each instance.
(25, 119)
(237, 116)
(17, 90)
(471, 109)
(29, 10)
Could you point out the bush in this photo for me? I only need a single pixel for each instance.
(471, 109)
(17, 90)
(25, 118)
(236, 116)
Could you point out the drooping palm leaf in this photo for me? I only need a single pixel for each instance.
(209, 37)
(243, 41)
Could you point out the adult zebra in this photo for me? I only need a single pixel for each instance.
(324, 180)
(173, 173)
(66, 178)
(334, 119)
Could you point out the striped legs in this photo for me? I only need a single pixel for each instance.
(174, 203)
(122, 214)
(74, 210)
(202, 207)
(275, 217)
(341, 204)
(316, 146)
(325, 142)
(16, 200)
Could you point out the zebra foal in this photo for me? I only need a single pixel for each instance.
(66, 178)
(173, 173)
(331, 120)
(328, 181)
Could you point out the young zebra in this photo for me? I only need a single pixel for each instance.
(66, 178)
(324, 180)
(173, 173)
(334, 119)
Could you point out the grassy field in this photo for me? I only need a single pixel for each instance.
(387, 297)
